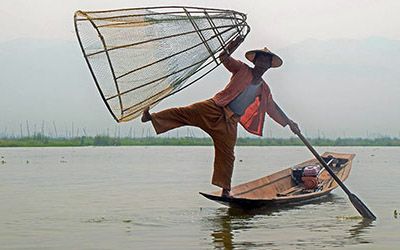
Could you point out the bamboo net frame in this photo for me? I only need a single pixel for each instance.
(140, 56)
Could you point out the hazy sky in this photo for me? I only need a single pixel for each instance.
(276, 24)
(280, 22)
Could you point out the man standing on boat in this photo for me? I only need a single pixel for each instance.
(245, 100)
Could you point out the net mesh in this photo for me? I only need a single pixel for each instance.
(140, 56)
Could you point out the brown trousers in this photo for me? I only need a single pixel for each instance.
(219, 122)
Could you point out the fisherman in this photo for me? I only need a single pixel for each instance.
(245, 100)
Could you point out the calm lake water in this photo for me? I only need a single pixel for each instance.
(147, 198)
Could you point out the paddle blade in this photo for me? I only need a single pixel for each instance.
(361, 207)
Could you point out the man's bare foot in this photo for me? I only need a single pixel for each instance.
(146, 115)
(226, 193)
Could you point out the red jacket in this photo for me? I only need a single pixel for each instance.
(253, 118)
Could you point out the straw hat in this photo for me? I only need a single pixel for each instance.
(276, 60)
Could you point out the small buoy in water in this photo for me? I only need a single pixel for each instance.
(27, 161)
(240, 160)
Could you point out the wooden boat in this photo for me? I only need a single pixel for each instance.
(280, 188)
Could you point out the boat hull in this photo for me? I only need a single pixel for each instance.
(279, 189)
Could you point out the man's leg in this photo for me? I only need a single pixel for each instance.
(172, 118)
(212, 119)
(205, 115)
(224, 145)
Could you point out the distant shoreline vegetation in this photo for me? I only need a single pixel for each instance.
(100, 140)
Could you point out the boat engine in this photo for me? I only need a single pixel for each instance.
(310, 176)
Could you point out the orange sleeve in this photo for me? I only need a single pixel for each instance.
(232, 64)
(274, 112)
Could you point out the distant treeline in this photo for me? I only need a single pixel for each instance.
(43, 141)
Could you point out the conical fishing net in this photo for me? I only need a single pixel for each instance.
(140, 56)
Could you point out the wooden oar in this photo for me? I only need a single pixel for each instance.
(357, 203)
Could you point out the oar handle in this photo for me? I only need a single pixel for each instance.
(319, 158)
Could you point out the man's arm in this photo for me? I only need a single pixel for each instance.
(230, 48)
(293, 126)
(231, 64)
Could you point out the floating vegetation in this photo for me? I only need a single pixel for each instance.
(355, 217)
(63, 160)
(96, 220)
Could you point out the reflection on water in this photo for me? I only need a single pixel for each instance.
(359, 230)
(222, 237)
(229, 225)
(229, 222)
